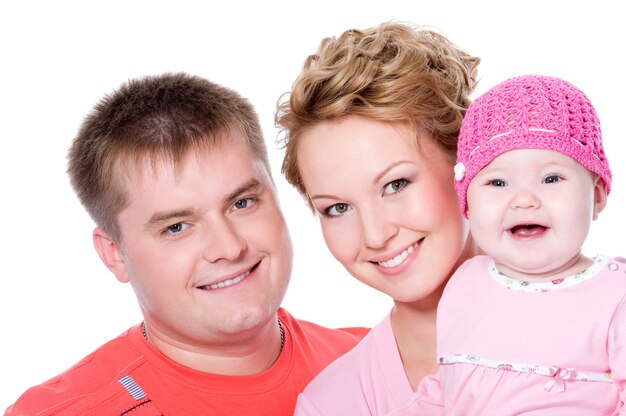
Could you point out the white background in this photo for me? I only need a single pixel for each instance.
(58, 302)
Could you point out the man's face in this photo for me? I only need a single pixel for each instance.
(205, 245)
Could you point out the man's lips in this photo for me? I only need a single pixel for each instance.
(229, 282)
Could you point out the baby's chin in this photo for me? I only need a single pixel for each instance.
(533, 269)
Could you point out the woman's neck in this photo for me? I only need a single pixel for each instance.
(414, 327)
(415, 332)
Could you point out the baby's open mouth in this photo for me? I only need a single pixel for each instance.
(528, 230)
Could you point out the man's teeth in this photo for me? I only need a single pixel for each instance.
(229, 282)
(399, 258)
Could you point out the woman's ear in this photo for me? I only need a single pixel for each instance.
(599, 196)
(110, 254)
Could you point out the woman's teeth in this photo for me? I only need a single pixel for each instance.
(399, 258)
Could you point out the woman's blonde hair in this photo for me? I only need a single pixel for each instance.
(394, 72)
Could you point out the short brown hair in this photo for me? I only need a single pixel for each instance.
(160, 117)
(394, 72)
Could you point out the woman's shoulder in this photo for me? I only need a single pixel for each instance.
(361, 356)
(363, 376)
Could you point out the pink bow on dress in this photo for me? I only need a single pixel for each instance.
(560, 375)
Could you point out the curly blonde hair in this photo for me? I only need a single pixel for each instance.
(395, 72)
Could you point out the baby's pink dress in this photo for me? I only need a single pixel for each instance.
(536, 348)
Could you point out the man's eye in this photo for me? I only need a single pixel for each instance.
(395, 186)
(176, 228)
(243, 203)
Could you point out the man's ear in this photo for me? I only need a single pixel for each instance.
(599, 196)
(110, 254)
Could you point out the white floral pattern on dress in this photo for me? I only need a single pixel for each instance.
(598, 264)
(522, 368)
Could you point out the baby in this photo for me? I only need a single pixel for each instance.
(534, 326)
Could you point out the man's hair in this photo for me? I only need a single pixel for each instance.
(154, 118)
(394, 72)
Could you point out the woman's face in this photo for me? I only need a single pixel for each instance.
(386, 205)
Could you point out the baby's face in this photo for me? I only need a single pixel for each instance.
(531, 211)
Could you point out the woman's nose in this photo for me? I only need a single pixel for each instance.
(378, 227)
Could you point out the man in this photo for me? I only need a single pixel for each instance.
(173, 169)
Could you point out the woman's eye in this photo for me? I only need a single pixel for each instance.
(395, 186)
(497, 182)
(336, 210)
(552, 179)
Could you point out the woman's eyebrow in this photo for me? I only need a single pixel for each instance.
(387, 169)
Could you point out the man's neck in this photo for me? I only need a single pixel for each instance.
(249, 355)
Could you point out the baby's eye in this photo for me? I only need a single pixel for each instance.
(337, 209)
(395, 186)
(552, 179)
(497, 182)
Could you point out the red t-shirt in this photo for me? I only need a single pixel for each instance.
(127, 376)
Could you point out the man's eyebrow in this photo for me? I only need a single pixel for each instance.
(166, 216)
(247, 186)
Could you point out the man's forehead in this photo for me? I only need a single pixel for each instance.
(225, 166)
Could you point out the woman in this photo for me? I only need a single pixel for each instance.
(370, 127)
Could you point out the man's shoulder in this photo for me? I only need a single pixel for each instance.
(314, 334)
(315, 346)
(91, 376)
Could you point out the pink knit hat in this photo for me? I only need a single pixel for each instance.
(529, 112)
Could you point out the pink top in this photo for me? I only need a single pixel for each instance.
(540, 348)
(368, 380)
